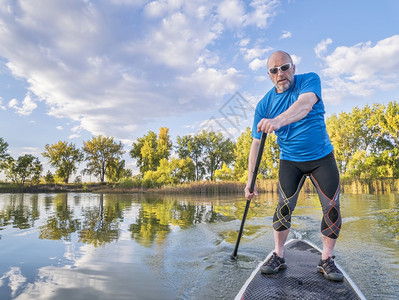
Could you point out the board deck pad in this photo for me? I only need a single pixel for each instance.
(300, 280)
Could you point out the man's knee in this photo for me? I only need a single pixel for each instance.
(331, 223)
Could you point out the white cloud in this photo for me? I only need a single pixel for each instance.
(233, 116)
(256, 52)
(231, 12)
(15, 280)
(83, 271)
(28, 105)
(261, 78)
(257, 64)
(263, 12)
(321, 47)
(208, 82)
(74, 136)
(296, 59)
(2, 107)
(129, 2)
(244, 42)
(257, 56)
(208, 58)
(112, 69)
(31, 150)
(360, 70)
(162, 7)
(285, 35)
(13, 103)
(177, 42)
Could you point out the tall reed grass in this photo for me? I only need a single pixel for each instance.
(226, 187)
(370, 186)
(388, 185)
(366, 186)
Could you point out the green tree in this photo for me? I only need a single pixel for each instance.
(192, 146)
(49, 178)
(64, 157)
(162, 176)
(388, 120)
(184, 144)
(225, 173)
(3, 152)
(78, 179)
(183, 170)
(271, 158)
(144, 152)
(370, 133)
(170, 172)
(366, 141)
(216, 151)
(342, 130)
(361, 165)
(151, 149)
(3, 149)
(207, 150)
(24, 168)
(164, 145)
(362, 132)
(37, 171)
(241, 155)
(116, 171)
(102, 154)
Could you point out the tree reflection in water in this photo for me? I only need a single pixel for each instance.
(62, 223)
(178, 241)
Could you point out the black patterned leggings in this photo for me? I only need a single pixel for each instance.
(325, 176)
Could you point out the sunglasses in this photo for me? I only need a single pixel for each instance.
(283, 68)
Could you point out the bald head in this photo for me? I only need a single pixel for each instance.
(279, 55)
(282, 78)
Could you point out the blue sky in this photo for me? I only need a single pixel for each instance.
(73, 69)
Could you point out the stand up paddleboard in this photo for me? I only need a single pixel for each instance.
(300, 280)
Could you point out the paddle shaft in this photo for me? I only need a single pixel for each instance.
(251, 189)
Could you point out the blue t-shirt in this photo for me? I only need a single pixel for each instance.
(306, 139)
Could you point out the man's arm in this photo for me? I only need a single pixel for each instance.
(297, 111)
(251, 164)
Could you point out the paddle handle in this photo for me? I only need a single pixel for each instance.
(258, 160)
(251, 189)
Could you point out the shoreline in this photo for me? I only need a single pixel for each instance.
(364, 186)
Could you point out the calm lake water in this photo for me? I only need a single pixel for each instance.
(92, 246)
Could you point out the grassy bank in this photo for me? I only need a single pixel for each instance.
(203, 187)
(370, 186)
(349, 186)
(50, 188)
(225, 187)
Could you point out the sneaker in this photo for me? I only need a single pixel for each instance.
(273, 265)
(330, 270)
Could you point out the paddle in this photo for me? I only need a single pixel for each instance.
(251, 189)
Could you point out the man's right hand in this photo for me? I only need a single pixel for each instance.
(248, 194)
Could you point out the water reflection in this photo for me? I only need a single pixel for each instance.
(21, 211)
(98, 222)
(61, 224)
(63, 246)
(158, 216)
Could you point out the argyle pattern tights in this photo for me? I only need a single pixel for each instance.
(325, 177)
